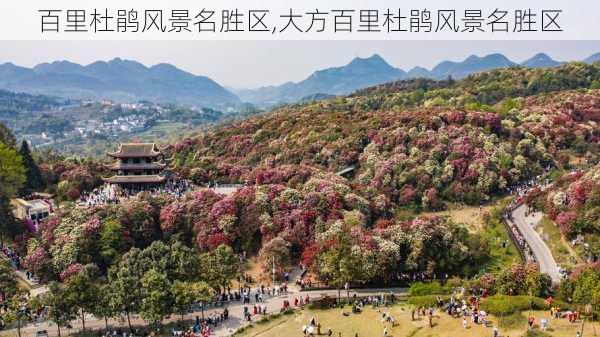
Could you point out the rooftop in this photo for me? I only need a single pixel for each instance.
(140, 166)
(35, 205)
(132, 150)
(137, 179)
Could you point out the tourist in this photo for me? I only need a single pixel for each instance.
(464, 323)
(544, 324)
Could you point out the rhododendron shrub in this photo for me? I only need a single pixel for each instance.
(523, 280)
(393, 251)
(39, 262)
(565, 221)
(140, 220)
(70, 271)
(573, 202)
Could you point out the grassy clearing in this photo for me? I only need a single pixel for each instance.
(557, 244)
(491, 227)
(368, 324)
(503, 251)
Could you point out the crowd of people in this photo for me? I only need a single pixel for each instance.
(203, 327)
(105, 194)
(15, 260)
(11, 254)
(114, 194)
(520, 192)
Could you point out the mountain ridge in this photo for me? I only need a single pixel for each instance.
(116, 79)
(128, 80)
(291, 92)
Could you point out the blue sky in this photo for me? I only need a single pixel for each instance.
(249, 64)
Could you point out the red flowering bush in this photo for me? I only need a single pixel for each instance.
(70, 271)
(565, 221)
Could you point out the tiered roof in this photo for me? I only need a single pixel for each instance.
(136, 150)
(138, 172)
(139, 179)
(141, 166)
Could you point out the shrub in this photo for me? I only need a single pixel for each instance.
(425, 301)
(431, 288)
(501, 305)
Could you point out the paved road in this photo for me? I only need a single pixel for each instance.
(235, 320)
(540, 250)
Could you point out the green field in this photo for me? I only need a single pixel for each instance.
(369, 324)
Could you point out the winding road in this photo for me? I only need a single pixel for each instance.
(540, 250)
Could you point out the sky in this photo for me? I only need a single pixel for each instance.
(251, 64)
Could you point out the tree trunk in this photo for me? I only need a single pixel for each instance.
(129, 322)
(82, 320)
(106, 324)
(339, 295)
(58, 327)
(19, 326)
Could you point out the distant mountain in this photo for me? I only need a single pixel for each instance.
(315, 98)
(365, 72)
(359, 73)
(470, 65)
(418, 72)
(593, 58)
(541, 60)
(119, 80)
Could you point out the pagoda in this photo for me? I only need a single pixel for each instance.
(137, 164)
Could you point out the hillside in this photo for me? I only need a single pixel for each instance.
(12, 104)
(364, 72)
(408, 151)
(359, 73)
(415, 141)
(119, 80)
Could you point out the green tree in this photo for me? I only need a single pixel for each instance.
(219, 267)
(60, 305)
(6, 136)
(8, 282)
(112, 242)
(184, 263)
(12, 172)
(587, 288)
(126, 286)
(83, 290)
(34, 180)
(103, 306)
(339, 264)
(187, 293)
(9, 292)
(12, 176)
(157, 298)
(17, 309)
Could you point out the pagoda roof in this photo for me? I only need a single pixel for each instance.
(136, 150)
(135, 179)
(140, 166)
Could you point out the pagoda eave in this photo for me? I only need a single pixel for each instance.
(135, 179)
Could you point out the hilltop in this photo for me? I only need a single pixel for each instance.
(480, 134)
